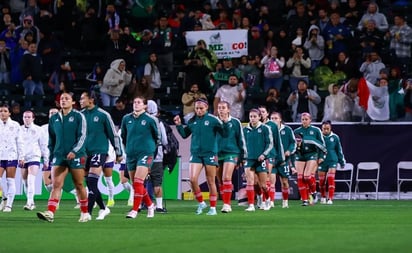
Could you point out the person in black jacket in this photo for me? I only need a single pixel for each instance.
(31, 67)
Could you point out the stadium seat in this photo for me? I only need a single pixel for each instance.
(345, 175)
(368, 172)
(404, 172)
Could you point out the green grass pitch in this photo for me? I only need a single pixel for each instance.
(347, 226)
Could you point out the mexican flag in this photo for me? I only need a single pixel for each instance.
(374, 99)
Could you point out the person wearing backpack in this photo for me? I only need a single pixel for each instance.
(272, 73)
(157, 170)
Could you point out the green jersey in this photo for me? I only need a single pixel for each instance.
(100, 130)
(259, 141)
(234, 143)
(277, 151)
(334, 150)
(67, 133)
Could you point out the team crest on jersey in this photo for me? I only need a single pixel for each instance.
(143, 122)
(311, 133)
(259, 130)
(129, 122)
(282, 132)
(71, 119)
(206, 122)
(96, 119)
(331, 139)
(11, 128)
(230, 124)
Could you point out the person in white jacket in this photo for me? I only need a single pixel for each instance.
(11, 154)
(303, 100)
(114, 81)
(35, 148)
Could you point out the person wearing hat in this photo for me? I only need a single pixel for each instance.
(26, 27)
(156, 172)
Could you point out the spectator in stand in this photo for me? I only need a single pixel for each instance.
(5, 69)
(373, 13)
(237, 19)
(118, 111)
(352, 12)
(50, 50)
(63, 73)
(27, 27)
(400, 35)
(163, 47)
(31, 9)
(140, 88)
(345, 64)
(299, 19)
(256, 44)
(408, 100)
(303, 100)
(223, 73)
(252, 75)
(115, 47)
(273, 74)
(322, 20)
(371, 66)
(143, 48)
(370, 38)
(91, 31)
(245, 23)
(315, 45)
(112, 17)
(142, 14)
(188, 100)
(299, 66)
(223, 19)
(32, 70)
(274, 101)
(336, 106)
(5, 22)
(336, 36)
(234, 94)
(9, 36)
(95, 78)
(152, 73)
(16, 55)
(396, 93)
(282, 42)
(115, 79)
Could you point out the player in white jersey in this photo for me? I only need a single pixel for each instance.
(124, 176)
(11, 154)
(35, 148)
(108, 173)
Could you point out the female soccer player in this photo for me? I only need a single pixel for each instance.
(67, 138)
(204, 129)
(275, 158)
(333, 157)
(35, 148)
(47, 167)
(231, 150)
(259, 143)
(309, 147)
(11, 154)
(100, 131)
(140, 135)
(289, 147)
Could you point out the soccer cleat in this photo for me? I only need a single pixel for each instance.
(259, 201)
(272, 204)
(266, 205)
(202, 205)
(212, 211)
(330, 202)
(77, 206)
(3, 204)
(131, 215)
(285, 204)
(161, 210)
(110, 203)
(29, 207)
(103, 213)
(315, 197)
(226, 208)
(323, 201)
(305, 203)
(85, 217)
(251, 208)
(7, 209)
(151, 211)
(311, 200)
(46, 215)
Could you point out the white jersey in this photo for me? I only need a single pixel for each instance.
(11, 142)
(35, 143)
(111, 154)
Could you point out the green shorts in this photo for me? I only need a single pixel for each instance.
(306, 156)
(229, 158)
(257, 166)
(282, 170)
(210, 159)
(144, 160)
(76, 163)
(325, 166)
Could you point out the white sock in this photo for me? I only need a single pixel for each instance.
(11, 191)
(127, 186)
(31, 181)
(110, 186)
(24, 185)
(131, 195)
(74, 192)
(159, 202)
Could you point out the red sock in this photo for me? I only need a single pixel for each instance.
(322, 186)
(212, 200)
(84, 205)
(146, 198)
(138, 193)
(250, 194)
(331, 183)
(199, 196)
(227, 191)
(222, 190)
(52, 205)
(302, 188)
(312, 184)
(285, 193)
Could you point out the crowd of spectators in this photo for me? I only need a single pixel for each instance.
(294, 38)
